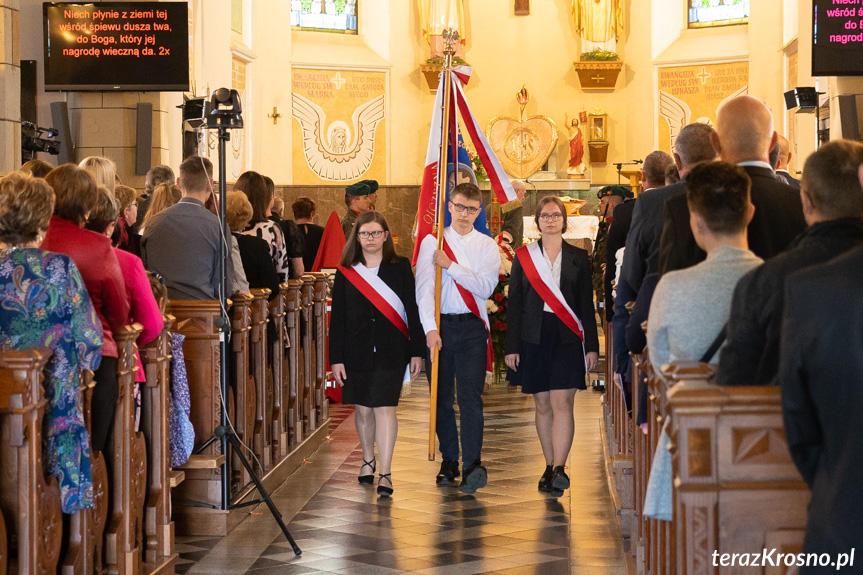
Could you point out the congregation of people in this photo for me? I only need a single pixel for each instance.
(725, 255)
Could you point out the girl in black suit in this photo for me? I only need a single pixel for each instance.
(547, 356)
(368, 353)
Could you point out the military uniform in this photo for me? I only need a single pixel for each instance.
(348, 221)
(600, 246)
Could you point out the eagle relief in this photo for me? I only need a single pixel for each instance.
(338, 114)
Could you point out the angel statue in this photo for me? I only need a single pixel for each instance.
(438, 15)
(338, 152)
(576, 147)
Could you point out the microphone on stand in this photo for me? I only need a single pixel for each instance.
(621, 164)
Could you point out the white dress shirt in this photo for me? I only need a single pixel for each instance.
(477, 272)
(555, 273)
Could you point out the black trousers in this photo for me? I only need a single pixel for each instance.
(463, 360)
(105, 395)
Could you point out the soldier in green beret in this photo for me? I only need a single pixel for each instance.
(373, 192)
(609, 197)
(357, 201)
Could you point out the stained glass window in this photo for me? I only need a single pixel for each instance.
(706, 13)
(339, 16)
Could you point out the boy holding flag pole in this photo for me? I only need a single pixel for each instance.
(456, 273)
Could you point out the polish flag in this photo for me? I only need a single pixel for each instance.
(428, 191)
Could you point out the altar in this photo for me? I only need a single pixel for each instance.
(543, 187)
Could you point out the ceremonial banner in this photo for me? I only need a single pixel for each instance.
(690, 94)
(339, 129)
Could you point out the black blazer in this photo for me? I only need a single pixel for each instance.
(258, 263)
(361, 337)
(820, 374)
(642, 240)
(778, 220)
(617, 232)
(524, 305)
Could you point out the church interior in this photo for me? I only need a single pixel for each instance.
(570, 97)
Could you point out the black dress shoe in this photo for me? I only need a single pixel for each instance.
(448, 472)
(559, 479)
(384, 491)
(367, 479)
(474, 478)
(545, 480)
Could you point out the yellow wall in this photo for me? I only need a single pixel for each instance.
(506, 51)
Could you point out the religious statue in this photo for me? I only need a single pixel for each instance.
(576, 148)
(599, 22)
(438, 15)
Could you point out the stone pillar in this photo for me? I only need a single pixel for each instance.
(10, 88)
(104, 124)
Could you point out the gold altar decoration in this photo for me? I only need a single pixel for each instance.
(597, 136)
(573, 205)
(598, 20)
(597, 74)
(522, 145)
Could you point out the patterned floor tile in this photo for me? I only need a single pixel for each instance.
(508, 527)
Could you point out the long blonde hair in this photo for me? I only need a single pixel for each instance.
(164, 196)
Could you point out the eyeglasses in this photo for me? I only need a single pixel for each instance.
(375, 234)
(550, 217)
(470, 210)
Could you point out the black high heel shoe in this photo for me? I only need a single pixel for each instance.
(367, 479)
(385, 491)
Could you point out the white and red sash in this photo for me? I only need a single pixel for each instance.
(539, 275)
(379, 294)
(473, 305)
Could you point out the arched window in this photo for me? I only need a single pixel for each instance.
(338, 16)
(707, 13)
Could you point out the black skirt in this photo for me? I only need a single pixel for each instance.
(373, 388)
(550, 365)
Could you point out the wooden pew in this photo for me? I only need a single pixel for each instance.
(197, 321)
(619, 436)
(642, 457)
(261, 444)
(4, 546)
(294, 417)
(86, 534)
(278, 367)
(159, 555)
(124, 534)
(244, 394)
(29, 500)
(319, 296)
(308, 350)
(736, 487)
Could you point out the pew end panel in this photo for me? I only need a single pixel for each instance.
(736, 488)
(29, 499)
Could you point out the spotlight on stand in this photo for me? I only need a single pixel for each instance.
(226, 114)
(805, 100)
(226, 110)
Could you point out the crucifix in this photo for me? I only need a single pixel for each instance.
(275, 115)
(522, 7)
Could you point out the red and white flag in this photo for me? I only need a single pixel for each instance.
(500, 183)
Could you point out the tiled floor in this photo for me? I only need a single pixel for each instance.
(507, 527)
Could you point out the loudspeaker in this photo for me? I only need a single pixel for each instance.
(804, 98)
(848, 126)
(28, 91)
(144, 140)
(60, 121)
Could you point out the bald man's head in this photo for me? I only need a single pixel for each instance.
(744, 128)
(519, 188)
(784, 152)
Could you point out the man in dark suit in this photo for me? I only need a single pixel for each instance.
(782, 172)
(642, 242)
(821, 374)
(744, 136)
(833, 206)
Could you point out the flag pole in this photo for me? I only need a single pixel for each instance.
(450, 37)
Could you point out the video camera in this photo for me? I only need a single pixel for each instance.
(37, 139)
